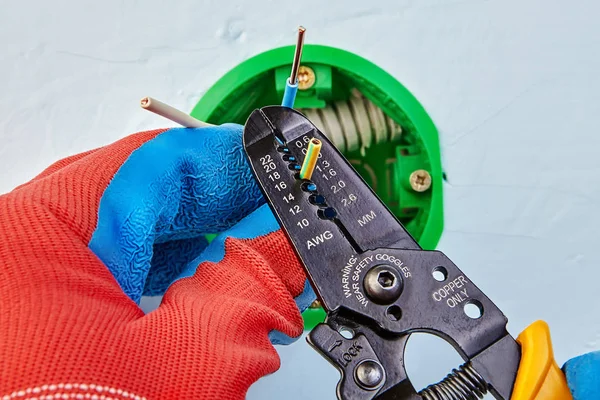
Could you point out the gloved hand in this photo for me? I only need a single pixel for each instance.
(81, 243)
(583, 376)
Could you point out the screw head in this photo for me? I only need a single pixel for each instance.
(369, 374)
(315, 304)
(306, 77)
(420, 180)
(383, 284)
(385, 279)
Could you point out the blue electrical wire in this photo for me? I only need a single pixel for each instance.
(289, 95)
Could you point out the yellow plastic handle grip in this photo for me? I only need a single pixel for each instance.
(539, 377)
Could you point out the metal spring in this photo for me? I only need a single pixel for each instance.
(354, 123)
(463, 383)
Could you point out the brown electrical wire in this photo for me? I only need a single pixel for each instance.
(297, 55)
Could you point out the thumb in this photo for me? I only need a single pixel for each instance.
(171, 191)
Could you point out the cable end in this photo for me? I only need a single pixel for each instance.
(145, 102)
(310, 161)
(297, 55)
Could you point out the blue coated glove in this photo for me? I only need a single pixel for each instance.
(169, 193)
(583, 376)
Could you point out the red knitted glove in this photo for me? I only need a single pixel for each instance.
(69, 331)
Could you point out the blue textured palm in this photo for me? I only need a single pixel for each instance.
(169, 193)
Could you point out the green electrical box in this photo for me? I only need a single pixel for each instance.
(375, 121)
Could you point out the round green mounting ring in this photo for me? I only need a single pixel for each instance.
(388, 167)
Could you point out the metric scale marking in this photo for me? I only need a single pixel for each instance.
(333, 177)
(353, 205)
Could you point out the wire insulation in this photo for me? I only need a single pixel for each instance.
(289, 96)
(171, 113)
(310, 160)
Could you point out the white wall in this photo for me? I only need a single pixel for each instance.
(512, 85)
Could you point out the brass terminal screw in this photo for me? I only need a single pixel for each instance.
(306, 77)
(420, 180)
(315, 304)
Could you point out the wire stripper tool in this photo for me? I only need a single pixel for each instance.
(378, 286)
